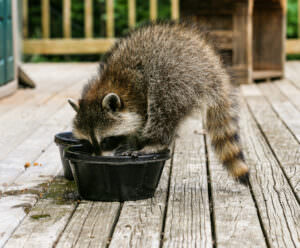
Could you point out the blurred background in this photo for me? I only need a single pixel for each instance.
(120, 23)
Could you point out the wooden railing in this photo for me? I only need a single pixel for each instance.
(88, 44)
(293, 45)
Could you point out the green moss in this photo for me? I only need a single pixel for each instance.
(39, 216)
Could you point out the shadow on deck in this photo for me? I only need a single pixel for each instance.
(196, 204)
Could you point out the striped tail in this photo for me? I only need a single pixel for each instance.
(222, 126)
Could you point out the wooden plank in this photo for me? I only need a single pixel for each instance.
(284, 145)
(47, 219)
(284, 108)
(292, 72)
(235, 215)
(277, 206)
(131, 13)
(134, 227)
(175, 9)
(45, 19)
(298, 19)
(222, 39)
(110, 23)
(266, 74)
(292, 46)
(88, 17)
(68, 46)
(28, 188)
(90, 225)
(242, 42)
(290, 91)
(12, 167)
(67, 18)
(25, 18)
(153, 10)
(35, 112)
(188, 215)
(13, 209)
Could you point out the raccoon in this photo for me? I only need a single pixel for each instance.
(150, 82)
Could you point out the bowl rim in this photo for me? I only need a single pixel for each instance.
(61, 139)
(113, 160)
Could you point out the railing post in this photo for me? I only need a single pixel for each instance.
(175, 9)
(153, 10)
(67, 18)
(25, 18)
(298, 18)
(45, 19)
(110, 18)
(131, 13)
(88, 15)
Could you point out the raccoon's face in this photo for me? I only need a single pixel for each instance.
(101, 118)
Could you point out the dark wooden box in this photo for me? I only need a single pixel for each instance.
(250, 34)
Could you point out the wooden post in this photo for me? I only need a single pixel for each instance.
(153, 10)
(25, 18)
(175, 9)
(242, 40)
(88, 15)
(131, 13)
(110, 29)
(298, 18)
(67, 18)
(45, 19)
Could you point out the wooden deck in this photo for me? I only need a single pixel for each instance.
(196, 204)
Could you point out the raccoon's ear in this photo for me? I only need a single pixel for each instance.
(111, 102)
(73, 104)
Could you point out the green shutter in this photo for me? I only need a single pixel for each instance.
(6, 43)
(9, 44)
(2, 44)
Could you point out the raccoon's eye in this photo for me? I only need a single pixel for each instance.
(111, 102)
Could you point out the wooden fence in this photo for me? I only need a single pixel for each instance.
(88, 44)
(293, 45)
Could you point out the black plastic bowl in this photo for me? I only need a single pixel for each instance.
(64, 140)
(115, 178)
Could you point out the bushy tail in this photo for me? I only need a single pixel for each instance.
(222, 126)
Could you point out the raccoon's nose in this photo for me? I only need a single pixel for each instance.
(96, 145)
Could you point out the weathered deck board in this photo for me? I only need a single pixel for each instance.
(35, 180)
(18, 124)
(182, 214)
(283, 143)
(90, 225)
(292, 72)
(276, 202)
(12, 211)
(47, 219)
(235, 215)
(284, 108)
(188, 215)
(290, 91)
(140, 223)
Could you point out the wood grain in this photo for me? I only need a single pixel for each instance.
(283, 143)
(277, 206)
(175, 9)
(284, 108)
(90, 225)
(188, 214)
(235, 215)
(140, 222)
